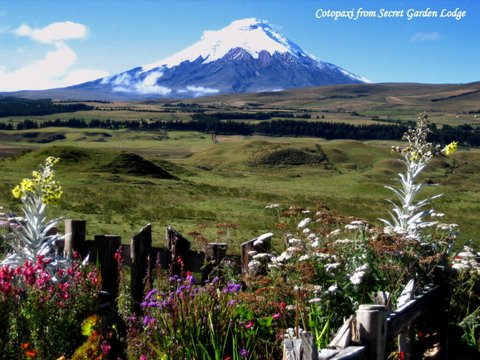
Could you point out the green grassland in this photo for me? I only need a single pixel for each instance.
(119, 180)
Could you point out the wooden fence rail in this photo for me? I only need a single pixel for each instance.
(366, 335)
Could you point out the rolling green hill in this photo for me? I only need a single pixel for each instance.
(116, 185)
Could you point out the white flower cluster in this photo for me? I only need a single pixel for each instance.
(357, 276)
(467, 260)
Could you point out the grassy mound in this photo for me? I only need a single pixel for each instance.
(276, 155)
(132, 164)
(32, 137)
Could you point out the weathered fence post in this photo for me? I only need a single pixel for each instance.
(106, 247)
(260, 244)
(214, 254)
(372, 329)
(140, 249)
(406, 337)
(302, 348)
(179, 248)
(75, 231)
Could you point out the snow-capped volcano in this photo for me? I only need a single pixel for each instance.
(251, 35)
(246, 56)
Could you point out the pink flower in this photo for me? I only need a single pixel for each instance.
(276, 316)
(143, 357)
(105, 347)
(249, 324)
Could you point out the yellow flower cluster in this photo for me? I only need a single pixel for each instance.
(450, 148)
(42, 184)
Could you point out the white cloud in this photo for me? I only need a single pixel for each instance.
(426, 36)
(199, 90)
(149, 86)
(56, 68)
(55, 32)
(125, 83)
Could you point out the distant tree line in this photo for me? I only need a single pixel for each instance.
(465, 134)
(12, 106)
(264, 115)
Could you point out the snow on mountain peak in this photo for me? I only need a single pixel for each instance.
(253, 35)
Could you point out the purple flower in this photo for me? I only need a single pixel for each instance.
(244, 352)
(231, 288)
(148, 320)
(150, 294)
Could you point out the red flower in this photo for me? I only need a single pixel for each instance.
(400, 355)
(32, 353)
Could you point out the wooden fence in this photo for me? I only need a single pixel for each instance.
(365, 336)
(369, 334)
(142, 257)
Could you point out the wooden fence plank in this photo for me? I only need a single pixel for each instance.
(75, 231)
(406, 337)
(352, 353)
(300, 349)
(372, 330)
(260, 244)
(344, 335)
(140, 250)
(179, 248)
(405, 315)
(106, 246)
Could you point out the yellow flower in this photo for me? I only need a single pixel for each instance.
(414, 156)
(41, 185)
(450, 148)
(89, 324)
(17, 192)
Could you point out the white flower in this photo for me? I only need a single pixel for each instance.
(357, 222)
(254, 265)
(306, 231)
(304, 223)
(304, 257)
(314, 300)
(335, 232)
(294, 242)
(272, 206)
(315, 244)
(358, 275)
(305, 211)
(261, 256)
(330, 267)
(344, 241)
(293, 249)
(332, 288)
(252, 253)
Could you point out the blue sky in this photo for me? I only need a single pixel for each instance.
(47, 43)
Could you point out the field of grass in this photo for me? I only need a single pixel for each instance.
(229, 181)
